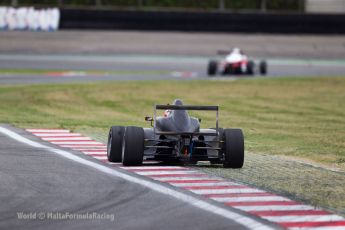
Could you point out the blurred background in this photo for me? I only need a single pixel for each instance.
(269, 16)
(210, 5)
(221, 5)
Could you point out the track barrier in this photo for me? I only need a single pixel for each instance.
(282, 23)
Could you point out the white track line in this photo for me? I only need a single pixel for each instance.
(98, 152)
(276, 207)
(149, 173)
(57, 134)
(66, 139)
(153, 167)
(204, 177)
(48, 131)
(100, 146)
(304, 218)
(151, 161)
(204, 184)
(250, 199)
(221, 191)
(115, 163)
(91, 149)
(76, 142)
(100, 157)
(318, 228)
(240, 219)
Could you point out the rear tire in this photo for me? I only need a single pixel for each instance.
(263, 67)
(133, 146)
(233, 148)
(250, 67)
(114, 147)
(212, 68)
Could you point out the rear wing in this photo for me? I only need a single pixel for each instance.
(186, 107)
(223, 52)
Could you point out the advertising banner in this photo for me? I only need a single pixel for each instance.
(28, 18)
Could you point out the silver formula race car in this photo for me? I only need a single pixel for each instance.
(176, 137)
(235, 63)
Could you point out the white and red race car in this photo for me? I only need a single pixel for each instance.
(236, 62)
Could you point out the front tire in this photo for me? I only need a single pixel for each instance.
(212, 68)
(114, 147)
(263, 67)
(250, 68)
(233, 148)
(133, 146)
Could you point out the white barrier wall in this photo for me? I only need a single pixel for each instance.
(325, 6)
(27, 18)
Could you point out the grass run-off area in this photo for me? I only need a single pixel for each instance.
(298, 117)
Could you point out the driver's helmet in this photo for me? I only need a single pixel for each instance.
(167, 112)
(237, 50)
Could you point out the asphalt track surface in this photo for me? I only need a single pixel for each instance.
(88, 42)
(36, 180)
(150, 196)
(156, 55)
(75, 68)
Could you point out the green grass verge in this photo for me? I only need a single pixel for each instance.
(298, 117)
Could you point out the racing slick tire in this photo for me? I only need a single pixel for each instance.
(133, 146)
(263, 67)
(212, 68)
(250, 68)
(233, 148)
(114, 147)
